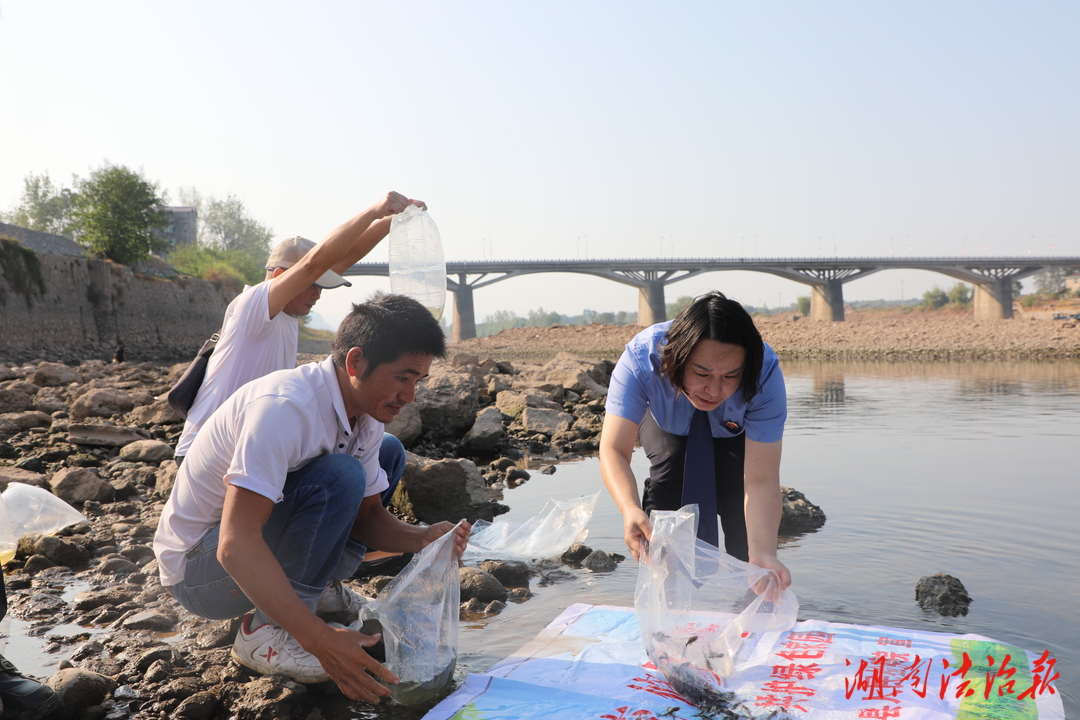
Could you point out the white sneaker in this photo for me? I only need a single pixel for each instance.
(269, 650)
(340, 598)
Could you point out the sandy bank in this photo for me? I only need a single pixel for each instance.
(881, 335)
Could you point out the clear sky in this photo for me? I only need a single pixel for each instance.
(578, 129)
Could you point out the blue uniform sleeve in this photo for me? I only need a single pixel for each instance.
(767, 413)
(626, 394)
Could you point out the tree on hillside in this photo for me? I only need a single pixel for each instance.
(960, 294)
(1052, 281)
(228, 240)
(44, 207)
(933, 299)
(117, 212)
(673, 308)
(542, 318)
(225, 225)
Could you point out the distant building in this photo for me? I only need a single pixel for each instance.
(180, 225)
(42, 242)
(1072, 283)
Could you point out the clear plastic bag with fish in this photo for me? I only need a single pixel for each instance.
(549, 534)
(418, 612)
(704, 615)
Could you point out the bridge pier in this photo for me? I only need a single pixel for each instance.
(651, 307)
(993, 299)
(827, 301)
(464, 326)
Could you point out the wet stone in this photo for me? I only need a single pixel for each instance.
(575, 554)
(150, 621)
(599, 561)
(942, 594)
(42, 605)
(117, 565)
(476, 583)
(510, 573)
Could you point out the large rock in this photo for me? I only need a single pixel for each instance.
(574, 373)
(7, 427)
(942, 594)
(80, 689)
(104, 435)
(150, 451)
(48, 401)
(509, 573)
(13, 474)
(165, 479)
(157, 413)
(511, 403)
(447, 401)
(61, 551)
(14, 398)
(28, 419)
(50, 374)
(407, 426)
(475, 583)
(76, 485)
(514, 402)
(546, 421)
(433, 491)
(486, 434)
(799, 515)
(101, 402)
(263, 698)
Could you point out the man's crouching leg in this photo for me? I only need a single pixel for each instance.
(338, 599)
(307, 532)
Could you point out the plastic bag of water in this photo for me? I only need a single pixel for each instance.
(28, 509)
(418, 611)
(417, 267)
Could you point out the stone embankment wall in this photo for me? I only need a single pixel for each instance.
(67, 309)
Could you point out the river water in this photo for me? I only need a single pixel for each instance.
(968, 469)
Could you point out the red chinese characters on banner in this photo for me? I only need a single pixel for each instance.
(1043, 674)
(874, 684)
(657, 686)
(885, 680)
(786, 689)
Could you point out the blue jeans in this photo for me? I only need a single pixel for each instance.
(308, 532)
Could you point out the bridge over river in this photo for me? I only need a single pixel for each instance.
(992, 278)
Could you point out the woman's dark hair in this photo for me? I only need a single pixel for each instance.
(713, 316)
(385, 328)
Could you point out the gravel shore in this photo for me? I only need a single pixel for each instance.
(879, 335)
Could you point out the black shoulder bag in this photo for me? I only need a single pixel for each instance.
(182, 395)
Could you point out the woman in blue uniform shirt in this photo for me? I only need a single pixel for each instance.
(706, 375)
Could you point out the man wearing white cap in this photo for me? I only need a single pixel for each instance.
(261, 330)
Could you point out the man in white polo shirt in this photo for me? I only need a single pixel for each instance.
(283, 480)
(260, 331)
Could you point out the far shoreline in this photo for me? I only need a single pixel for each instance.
(881, 335)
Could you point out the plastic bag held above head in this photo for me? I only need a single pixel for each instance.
(418, 611)
(417, 267)
(704, 615)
